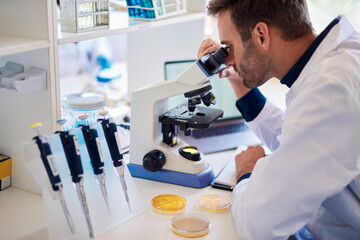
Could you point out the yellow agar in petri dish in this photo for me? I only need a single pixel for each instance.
(190, 225)
(214, 202)
(168, 203)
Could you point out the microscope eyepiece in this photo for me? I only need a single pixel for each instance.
(214, 62)
(220, 55)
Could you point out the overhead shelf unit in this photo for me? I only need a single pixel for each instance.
(12, 45)
(120, 23)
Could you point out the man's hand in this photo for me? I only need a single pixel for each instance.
(208, 46)
(246, 160)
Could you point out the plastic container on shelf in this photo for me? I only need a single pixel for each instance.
(84, 15)
(77, 104)
(155, 9)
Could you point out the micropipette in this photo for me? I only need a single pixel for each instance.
(52, 172)
(72, 154)
(95, 154)
(113, 141)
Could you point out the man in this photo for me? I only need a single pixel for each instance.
(312, 176)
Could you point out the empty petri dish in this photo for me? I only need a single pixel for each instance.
(168, 203)
(190, 225)
(214, 202)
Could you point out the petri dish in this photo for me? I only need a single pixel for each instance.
(214, 202)
(168, 203)
(190, 225)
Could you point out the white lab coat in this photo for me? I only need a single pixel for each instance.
(312, 177)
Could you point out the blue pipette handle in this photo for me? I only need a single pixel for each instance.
(110, 131)
(72, 154)
(93, 147)
(49, 162)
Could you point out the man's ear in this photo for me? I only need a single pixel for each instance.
(261, 35)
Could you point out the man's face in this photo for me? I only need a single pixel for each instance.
(252, 66)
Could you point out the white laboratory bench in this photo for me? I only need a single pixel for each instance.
(23, 217)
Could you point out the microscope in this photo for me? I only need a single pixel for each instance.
(156, 152)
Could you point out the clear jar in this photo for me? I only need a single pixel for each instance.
(78, 104)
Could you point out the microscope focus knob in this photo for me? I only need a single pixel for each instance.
(154, 160)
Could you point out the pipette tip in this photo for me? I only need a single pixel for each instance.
(128, 203)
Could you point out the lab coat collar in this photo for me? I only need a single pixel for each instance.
(295, 71)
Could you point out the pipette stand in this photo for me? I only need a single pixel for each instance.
(102, 221)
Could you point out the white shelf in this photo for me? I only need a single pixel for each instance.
(120, 23)
(13, 45)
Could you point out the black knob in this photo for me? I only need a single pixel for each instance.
(154, 160)
(188, 132)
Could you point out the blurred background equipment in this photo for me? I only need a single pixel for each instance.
(155, 9)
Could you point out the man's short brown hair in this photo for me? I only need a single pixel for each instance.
(291, 17)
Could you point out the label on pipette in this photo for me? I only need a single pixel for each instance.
(99, 148)
(76, 145)
(53, 168)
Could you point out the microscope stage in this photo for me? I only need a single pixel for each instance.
(202, 117)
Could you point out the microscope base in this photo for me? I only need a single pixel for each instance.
(198, 180)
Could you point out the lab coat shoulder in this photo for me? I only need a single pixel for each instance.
(337, 56)
(343, 63)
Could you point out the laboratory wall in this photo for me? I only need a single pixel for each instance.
(149, 49)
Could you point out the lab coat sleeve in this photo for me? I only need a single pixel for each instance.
(263, 117)
(267, 125)
(317, 158)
